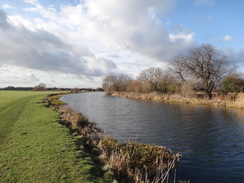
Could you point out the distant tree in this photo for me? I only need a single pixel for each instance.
(187, 89)
(122, 82)
(232, 84)
(109, 84)
(134, 86)
(75, 90)
(168, 84)
(177, 67)
(10, 88)
(151, 78)
(116, 83)
(40, 87)
(99, 89)
(205, 65)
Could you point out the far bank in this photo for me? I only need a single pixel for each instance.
(220, 101)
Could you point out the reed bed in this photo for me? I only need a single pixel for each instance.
(238, 102)
(130, 162)
(232, 101)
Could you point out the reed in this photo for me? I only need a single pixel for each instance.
(75, 119)
(138, 162)
(232, 101)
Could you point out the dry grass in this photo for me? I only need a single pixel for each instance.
(75, 119)
(238, 103)
(235, 101)
(138, 162)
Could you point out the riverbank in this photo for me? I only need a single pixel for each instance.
(36, 148)
(218, 101)
(131, 161)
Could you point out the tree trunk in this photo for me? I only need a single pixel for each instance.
(210, 96)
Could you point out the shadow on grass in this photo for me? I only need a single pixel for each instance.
(90, 155)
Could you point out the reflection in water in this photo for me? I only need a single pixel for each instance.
(210, 139)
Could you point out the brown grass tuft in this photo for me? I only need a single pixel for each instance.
(138, 162)
(238, 103)
(76, 119)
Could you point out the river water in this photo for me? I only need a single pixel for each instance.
(210, 139)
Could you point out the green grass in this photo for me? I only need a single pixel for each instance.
(35, 148)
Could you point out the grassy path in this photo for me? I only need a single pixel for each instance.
(35, 148)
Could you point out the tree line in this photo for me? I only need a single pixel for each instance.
(42, 87)
(202, 69)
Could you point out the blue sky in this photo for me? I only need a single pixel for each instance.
(72, 43)
(212, 21)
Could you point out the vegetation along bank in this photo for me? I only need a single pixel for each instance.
(202, 76)
(129, 162)
(232, 101)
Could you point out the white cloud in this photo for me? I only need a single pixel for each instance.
(32, 77)
(91, 39)
(130, 25)
(182, 36)
(227, 38)
(15, 76)
(42, 50)
(7, 6)
(48, 12)
(236, 56)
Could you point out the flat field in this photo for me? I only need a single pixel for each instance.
(34, 147)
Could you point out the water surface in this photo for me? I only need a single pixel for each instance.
(210, 139)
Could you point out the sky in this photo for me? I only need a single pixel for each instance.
(76, 43)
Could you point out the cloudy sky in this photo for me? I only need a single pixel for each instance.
(76, 43)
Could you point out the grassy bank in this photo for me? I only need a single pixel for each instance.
(35, 148)
(221, 101)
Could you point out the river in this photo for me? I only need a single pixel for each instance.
(210, 139)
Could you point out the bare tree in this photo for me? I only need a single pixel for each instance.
(187, 89)
(151, 78)
(122, 82)
(134, 86)
(168, 84)
(109, 83)
(40, 87)
(205, 64)
(116, 83)
(178, 67)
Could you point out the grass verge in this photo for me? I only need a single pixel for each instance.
(35, 148)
